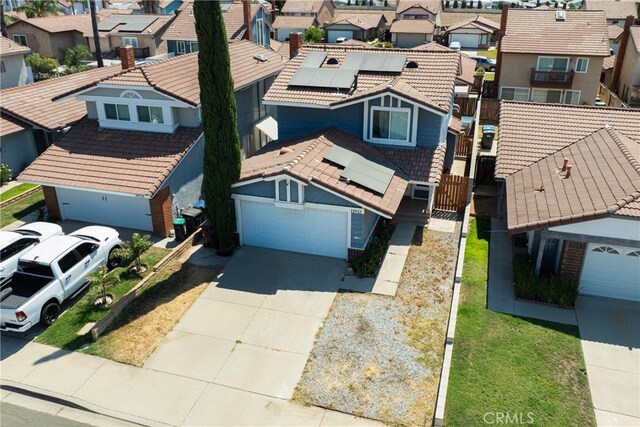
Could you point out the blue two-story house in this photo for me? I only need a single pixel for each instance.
(136, 158)
(360, 129)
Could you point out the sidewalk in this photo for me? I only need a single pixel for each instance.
(500, 293)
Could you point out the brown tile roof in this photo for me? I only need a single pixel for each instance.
(356, 43)
(412, 26)
(178, 76)
(614, 9)
(9, 126)
(33, 103)
(476, 21)
(184, 26)
(530, 131)
(604, 180)
(614, 31)
(59, 23)
(581, 33)
(609, 62)
(635, 37)
(303, 159)
(285, 21)
(421, 164)
(9, 47)
(468, 65)
(281, 48)
(303, 6)
(448, 18)
(455, 124)
(365, 21)
(433, 6)
(160, 23)
(434, 78)
(121, 161)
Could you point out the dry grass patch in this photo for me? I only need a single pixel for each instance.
(143, 325)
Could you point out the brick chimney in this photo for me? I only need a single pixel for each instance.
(501, 34)
(246, 15)
(127, 58)
(295, 44)
(624, 40)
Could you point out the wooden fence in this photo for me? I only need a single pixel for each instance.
(451, 194)
(464, 146)
(610, 98)
(489, 111)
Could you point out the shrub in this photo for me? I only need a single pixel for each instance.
(549, 289)
(447, 5)
(41, 66)
(314, 35)
(366, 265)
(455, 4)
(74, 57)
(479, 4)
(5, 174)
(133, 250)
(464, 4)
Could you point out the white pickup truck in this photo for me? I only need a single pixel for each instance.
(50, 273)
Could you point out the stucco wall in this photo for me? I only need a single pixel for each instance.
(185, 182)
(15, 73)
(296, 121)
(614, 227)
(46, 44)
(312, 193)
(630, 71)
(18, 150)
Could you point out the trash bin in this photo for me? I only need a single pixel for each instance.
(179, 229)
(193, 219)
(208, 234)
(488, 133)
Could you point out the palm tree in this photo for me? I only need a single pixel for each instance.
(38, 8)
(73, 58)
(96, 34)
(101, 279)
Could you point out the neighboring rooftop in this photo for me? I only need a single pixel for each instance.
(364, 21)
(476, 22)
(468, 64)
(635, 37)
(431, 82)
(412, 26)
(543, 195)
(614, 31)
(9, 126)
(59, 23)
(530, 131)
(448, 18)
(33, 103)
(286, 21)
(609, 62)
(580, 33)
(131, 24)
(433, 6)
(614, 9)
(9, 47)
(120, 161)
(303, 6)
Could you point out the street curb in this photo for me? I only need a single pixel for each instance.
(75, 403)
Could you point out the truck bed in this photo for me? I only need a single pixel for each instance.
(17, 289)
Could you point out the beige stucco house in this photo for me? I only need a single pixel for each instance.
(627, 85)
(13, 71)
(565, 71)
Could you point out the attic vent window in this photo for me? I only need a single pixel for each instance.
(412, 64)
(560, 15)
(332, 61)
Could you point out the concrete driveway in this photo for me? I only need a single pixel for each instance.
(611, 347)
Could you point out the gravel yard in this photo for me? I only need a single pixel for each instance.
(380, 357)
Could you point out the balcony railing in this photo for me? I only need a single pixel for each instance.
(559, 79)
(138, 52)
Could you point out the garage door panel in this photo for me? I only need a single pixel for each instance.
(465, 40)
(334, 34)
(611, 273)
(308, 230)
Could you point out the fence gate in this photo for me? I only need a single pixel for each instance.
(485, 169)
(451, 194)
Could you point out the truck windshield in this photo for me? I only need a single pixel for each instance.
(35, 268)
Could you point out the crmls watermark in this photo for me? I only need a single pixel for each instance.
(508, 418)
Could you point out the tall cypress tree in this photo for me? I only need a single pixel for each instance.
(222, 158)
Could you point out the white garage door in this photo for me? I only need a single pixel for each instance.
(107, 209)
(312, 231)
(334, 34)
(465, 40)
(611, 271)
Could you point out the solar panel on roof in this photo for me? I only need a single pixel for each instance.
(343, 79)
(108, 25)
(353, 61)
(360, 170)
(133, 24)
(339, 155)
(314, 60)
(302, 77)
(387, 63)
(323, 77)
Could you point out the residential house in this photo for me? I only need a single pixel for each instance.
(284, 25)
(419, 9)
(615, 10)
(356, 26)
(298, 15)
(31, 121)
(181, 35)
(625, 79)
(607, 70)
(614, 31)
(565, 71)
(69, 7)
(476, 32)
(571, 178)
(49, 35)
(13, 71)
(137, 157)
(451, 17)
(360, 129)
(409, 33)
(142, 32)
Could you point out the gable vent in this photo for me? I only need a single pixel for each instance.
(412, 64)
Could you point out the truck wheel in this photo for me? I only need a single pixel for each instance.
(50, 313)
(113, 261)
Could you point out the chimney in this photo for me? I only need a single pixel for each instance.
(568, 174)
(617, 68)
(501, 34)
(564, 164)
(295, 44)
(127, 58)
(246, 14)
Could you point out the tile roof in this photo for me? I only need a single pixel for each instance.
(581, 33)
(33, 103)
(178, 76)
(604, 180)
(9, 47)
(365, 21)
(412, 26)
(468, 65)
(476, 21)
(285, 21)
(530, 131)
(614, 31)
(448, 18)
(159, 23)
(635, 37)
(614, 9)
(421, 164)
(434, 78)
(184, 26)
(59, 23)
(609, 62)
(433, 6)
(9, 126)
(303, 6)
(303, 159)
(121, 161)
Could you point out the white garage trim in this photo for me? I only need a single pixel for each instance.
(66, 187)
(611, 271)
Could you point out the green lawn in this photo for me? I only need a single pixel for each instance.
(18, 189)
(64, 332)
(507, 364)
(21, 208)
(493, 53)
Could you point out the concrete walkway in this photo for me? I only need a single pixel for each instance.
(391, 270)
(234, 358)
(500, 293)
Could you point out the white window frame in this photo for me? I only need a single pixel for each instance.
(192, 44)
(515, 88)
(586, 68)
(149, 107)
(406, 142)
(260, 31)
(553, 57)
(21, 36)
(564, 96)
(546, 101)
(182, 44)
(104, 107)
(127, 41)
(288, 202)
